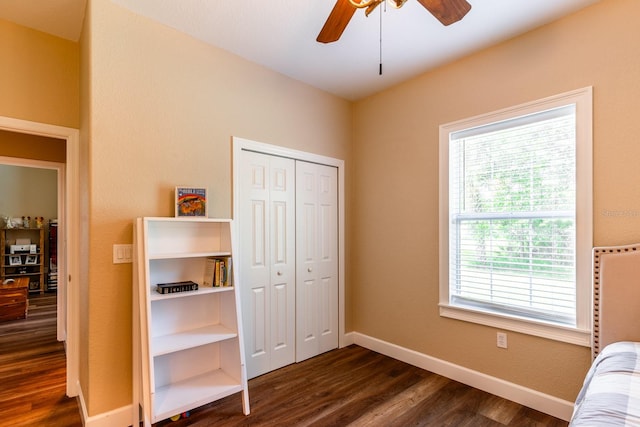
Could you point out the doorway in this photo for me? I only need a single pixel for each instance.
(68, 239)
(32, 187)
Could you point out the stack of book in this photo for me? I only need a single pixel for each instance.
(173, 287)
(217, 272)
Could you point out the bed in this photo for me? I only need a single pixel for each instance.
(610, 395)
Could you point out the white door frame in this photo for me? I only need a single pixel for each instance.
(68, 214)
(240, 144)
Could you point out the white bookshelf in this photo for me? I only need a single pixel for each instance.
(187, 345)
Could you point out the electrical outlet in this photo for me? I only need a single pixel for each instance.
(501, 340)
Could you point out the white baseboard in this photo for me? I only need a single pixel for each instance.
(114, 418)
(349, 338)
(542, 402)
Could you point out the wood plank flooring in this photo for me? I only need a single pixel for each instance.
(348, 387)
(33, 370)
(354, 386)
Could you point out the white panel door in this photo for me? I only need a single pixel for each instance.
(267, 242)
(316, 259)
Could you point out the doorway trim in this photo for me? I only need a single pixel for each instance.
(70, 236)
(240, 144)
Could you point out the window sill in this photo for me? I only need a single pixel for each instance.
(566, 334)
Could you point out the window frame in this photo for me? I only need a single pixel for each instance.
(581, 333)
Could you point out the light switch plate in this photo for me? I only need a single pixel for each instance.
(122, 254)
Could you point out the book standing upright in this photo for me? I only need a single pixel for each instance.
(187, 343)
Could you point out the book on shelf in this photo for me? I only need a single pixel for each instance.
(209, 273)
(174, 287)
(217, 272)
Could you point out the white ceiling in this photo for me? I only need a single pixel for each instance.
(281, 34)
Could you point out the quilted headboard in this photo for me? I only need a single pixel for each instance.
(616, 295)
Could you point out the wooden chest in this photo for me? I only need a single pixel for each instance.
(13, 299)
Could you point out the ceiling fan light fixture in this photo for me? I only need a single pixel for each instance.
(361, 4)
(396, 3)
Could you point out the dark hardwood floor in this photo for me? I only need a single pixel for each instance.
(33, 370)
(354, 386)
(348, 387)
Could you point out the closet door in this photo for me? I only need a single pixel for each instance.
(316, 259)
(267, 265)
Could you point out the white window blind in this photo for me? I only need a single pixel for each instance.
(512, 217)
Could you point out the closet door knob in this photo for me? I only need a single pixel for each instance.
(279, 273)
(310, 269)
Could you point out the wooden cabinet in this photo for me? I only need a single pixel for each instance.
(13, 299)
(187, 345)
(23, 260)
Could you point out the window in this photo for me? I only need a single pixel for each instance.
(516, 221)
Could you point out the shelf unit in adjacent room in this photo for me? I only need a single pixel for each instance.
(187, 345)
(20, 259)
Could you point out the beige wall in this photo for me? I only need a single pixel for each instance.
(396, 177)
(162, 108)
(35, 147)
(38, 76)
(28, 191)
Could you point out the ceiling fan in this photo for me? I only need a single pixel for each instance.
(445, 11)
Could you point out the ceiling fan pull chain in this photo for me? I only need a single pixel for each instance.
(381, 10)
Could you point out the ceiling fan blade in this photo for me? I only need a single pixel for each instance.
(336, 22)
(447, 11)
